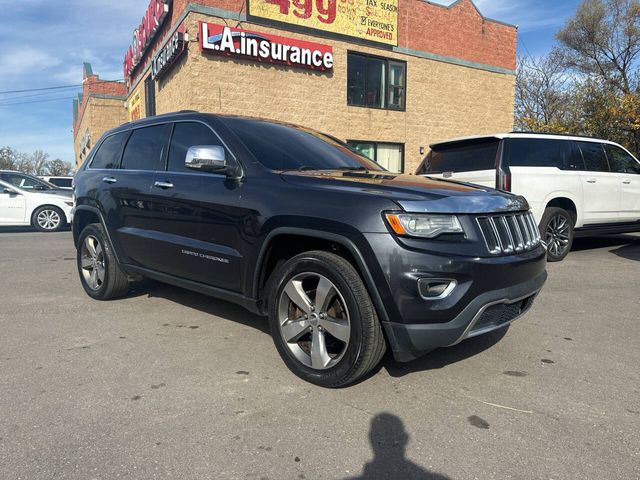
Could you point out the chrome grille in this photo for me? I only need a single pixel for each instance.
(510, 233)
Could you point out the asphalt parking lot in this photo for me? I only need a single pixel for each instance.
(172, 384)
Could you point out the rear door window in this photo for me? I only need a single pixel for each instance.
(621, 161)
(595, 160)
(186, 135)
(108, 154)
(543, 152)
(461, 157)
(145, 148)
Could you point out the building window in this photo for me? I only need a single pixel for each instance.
(388, 155)
(150, 96)
(376, 82)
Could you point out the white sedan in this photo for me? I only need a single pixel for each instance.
(45, 210)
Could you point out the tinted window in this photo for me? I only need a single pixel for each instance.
(26, 182)
(187, 135)
(535, 152)
(108, 155)
(62, 182)
(595, 159)
(145, 148)
(621, 161)
(466, 157)
(282, 147)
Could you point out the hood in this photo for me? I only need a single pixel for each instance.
(413, 193)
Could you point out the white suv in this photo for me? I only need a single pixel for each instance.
(576, 186)
(27, 200)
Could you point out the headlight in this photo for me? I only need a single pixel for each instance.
(423, 225)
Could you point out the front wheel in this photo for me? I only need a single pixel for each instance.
(322, 320)
(556, 228)
(48, 219)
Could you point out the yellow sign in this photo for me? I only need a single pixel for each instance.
(373, 20)
(135, 107)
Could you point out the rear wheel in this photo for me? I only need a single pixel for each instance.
(556, 228)
(48, 219)
(99, 271)
(322, 320)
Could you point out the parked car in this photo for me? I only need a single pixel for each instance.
(66, 183)
(343, 257)
(26, 200)
(576, 186)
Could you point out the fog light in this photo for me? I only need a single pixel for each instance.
(435, 288)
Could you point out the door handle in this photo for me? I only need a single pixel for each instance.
(109, 180)
(591, 180)
(163, 185)
(627, 182)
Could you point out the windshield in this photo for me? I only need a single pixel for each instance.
(27, 182)
(282, 147)
(465, 157)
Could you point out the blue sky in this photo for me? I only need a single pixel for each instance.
(43, 44)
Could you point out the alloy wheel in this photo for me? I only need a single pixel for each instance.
(314, 321)
(92, 262)
(558, 235)
(48, 219)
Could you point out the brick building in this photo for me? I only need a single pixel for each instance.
(100, 107)
(390, 77)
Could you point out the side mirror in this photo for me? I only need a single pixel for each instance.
(206, 158)
(9, 191)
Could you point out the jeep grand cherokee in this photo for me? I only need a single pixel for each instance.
(345, 258)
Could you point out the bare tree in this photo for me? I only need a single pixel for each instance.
(59, 168)
(544, 99)
(24, 163)
(603, 40)
(7, 158)
(39, 161)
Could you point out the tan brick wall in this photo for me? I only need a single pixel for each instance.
(100, 115)
(443, 100)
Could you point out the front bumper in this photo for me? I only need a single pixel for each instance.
(490, 311)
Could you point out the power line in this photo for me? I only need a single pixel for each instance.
(36, 101)
(61, 87)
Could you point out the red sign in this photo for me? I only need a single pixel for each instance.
(151, 23)
(262, 47)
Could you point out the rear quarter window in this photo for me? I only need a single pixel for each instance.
(465, 157)
(108, 154)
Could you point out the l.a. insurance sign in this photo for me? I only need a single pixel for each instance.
(262, 47)
(373, 20)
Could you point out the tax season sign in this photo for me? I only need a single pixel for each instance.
(262, 47)
(373, 20)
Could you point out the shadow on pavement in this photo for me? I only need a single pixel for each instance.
(27, 230)
(445, 356)
(592, 243)
(389, 441)
(630, 252)
(203, 303)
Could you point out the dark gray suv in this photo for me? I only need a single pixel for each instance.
(345, 258)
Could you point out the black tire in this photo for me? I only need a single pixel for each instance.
(114, 282)
(48, 219)
(556, 229)
(365, 346)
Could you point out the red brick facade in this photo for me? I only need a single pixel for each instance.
(92, 85)
(459, 31)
